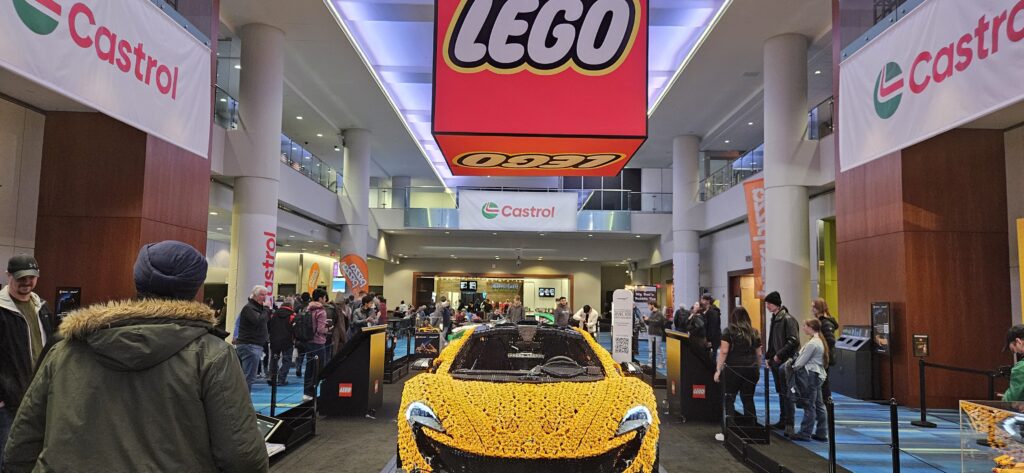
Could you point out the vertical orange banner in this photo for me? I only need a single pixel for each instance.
(357, 274)
(314, 278)
(754, 190)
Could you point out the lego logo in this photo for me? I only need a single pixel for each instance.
(699, 391)
(537, 160)
(544, 36)
(344, 390)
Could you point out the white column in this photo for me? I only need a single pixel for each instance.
(785, 119)
(254, 212)
(400, 191)
(356, 176)
(685, 225)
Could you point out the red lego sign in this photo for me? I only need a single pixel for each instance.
(540, 87)
(699, 391)
(344, 389)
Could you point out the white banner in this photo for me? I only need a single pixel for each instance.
(520, 211)
(124, 58)
(947, 63)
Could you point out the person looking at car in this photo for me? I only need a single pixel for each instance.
(739, 358)
(1015, 342)
(587, 318)
(562, 313)
(655, 330)
(515, 313)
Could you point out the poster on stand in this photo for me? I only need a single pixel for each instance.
(622, 325)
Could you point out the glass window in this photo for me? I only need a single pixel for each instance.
(631, 179)
(572, 182)
(591, 182)
(612, 182)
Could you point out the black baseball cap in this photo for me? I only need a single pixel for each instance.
(1015, 332)
(22, 265)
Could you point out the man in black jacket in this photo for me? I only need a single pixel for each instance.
(713, 319)
(280, 329)
(26, 326)
(252, 333)
(783, 344)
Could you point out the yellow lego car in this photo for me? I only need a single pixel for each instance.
(527, 398)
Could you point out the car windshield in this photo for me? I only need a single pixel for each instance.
(527, 354)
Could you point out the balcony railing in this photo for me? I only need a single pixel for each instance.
(586, 220)
(225, 110)
(437, 197)
(298, 158)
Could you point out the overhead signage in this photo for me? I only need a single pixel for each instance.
(756, 213)
(520, 211)
(945, 64)
(540, 87)
(124, 58)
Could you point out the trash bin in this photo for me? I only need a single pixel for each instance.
(851, 374)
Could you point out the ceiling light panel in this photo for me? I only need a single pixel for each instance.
(396, 39)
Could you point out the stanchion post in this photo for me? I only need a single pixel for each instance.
(894, 425)
(830, 411)
(767, 408)
(316, 398)
(924, 422)
(275, 360)
(991, 387)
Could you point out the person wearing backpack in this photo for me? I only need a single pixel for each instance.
(280, 328)
(829, 325)
(310, 331)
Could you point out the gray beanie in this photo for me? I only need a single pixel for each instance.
(169, 269)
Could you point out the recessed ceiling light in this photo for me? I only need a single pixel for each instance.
(319, 135)
(309, 241)
(494, 233)
(325, 246)
(337, 148)
(541, 234)
(238, 66)
(727, 141)
(299, 117)
(214, 213)
(817, 73)
(638, 236)
(220, 228)
(223, 100)
(590, 235)
(447, 233)
(295, 147)
(452, 256)
(302, 249)
(497, 257)
(584, 258)
(291, 236)
(750, 123)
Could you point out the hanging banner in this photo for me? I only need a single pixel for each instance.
(539, 88)
(754, 190)
(357, 273)
(522, 211)
(124, 58)
(947, 63)
(314, 278)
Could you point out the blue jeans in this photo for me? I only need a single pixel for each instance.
(249, 356)
(314, 354)
(814, 406)
(6, 419)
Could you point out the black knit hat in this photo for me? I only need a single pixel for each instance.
(773, 298)
(169, 269)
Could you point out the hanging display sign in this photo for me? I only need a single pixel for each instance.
(540, 88)
(754, 190)
(524, 211)
(313, 281)
(356, 272)
(124, 58)
(947, 63)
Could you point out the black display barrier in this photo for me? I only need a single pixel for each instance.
(352, 383)
(692, 390)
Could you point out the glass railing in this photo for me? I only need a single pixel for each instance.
(437, 197)
(821, 120)
(225, 110)
(298, 158)
(732, 173)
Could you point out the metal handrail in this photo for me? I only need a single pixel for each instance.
(296, 157)
(587, 199)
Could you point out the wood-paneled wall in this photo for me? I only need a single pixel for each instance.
(925, 229)
(106, 189)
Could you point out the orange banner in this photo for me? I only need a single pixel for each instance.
(357, 274)
(754, 190)
(314, 278)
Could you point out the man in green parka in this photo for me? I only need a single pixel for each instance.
(142, 385)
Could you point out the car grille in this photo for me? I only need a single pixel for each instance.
(451, 460)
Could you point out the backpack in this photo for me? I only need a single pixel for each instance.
(302, 326)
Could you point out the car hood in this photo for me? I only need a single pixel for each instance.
(531, 420)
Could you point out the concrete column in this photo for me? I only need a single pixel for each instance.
(254, 210)
(356, 175)
(785, 119)
(400, 191)
(685, 225)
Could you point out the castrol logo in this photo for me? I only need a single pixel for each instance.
(592, 37)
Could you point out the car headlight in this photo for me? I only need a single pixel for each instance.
(637, 418)
(419, 414)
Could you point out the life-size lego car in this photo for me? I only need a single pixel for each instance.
(527, 398)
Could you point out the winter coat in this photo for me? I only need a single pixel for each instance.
(16, 363)
(828, 330)
(713, 319)
(319, 322)
(280, 328)
(587, 321)
(252, 324)
(784, 339)
(515, 314)
(679, 320)
(656, 323)
(139, 386)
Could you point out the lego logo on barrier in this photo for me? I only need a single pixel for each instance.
(699, 391)
(508, 36)
(345, 390)
(540, 87)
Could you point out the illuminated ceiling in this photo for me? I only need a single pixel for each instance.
(395, 39)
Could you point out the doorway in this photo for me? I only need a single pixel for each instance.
(742, 294)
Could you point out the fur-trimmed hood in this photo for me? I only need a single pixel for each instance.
(133, 335)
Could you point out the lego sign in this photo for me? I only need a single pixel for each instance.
(700, 391)
(540, 87)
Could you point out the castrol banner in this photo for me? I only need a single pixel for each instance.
(518, 211)
(756, 214)
(539, 87)
(124, 58)
(945, 64)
